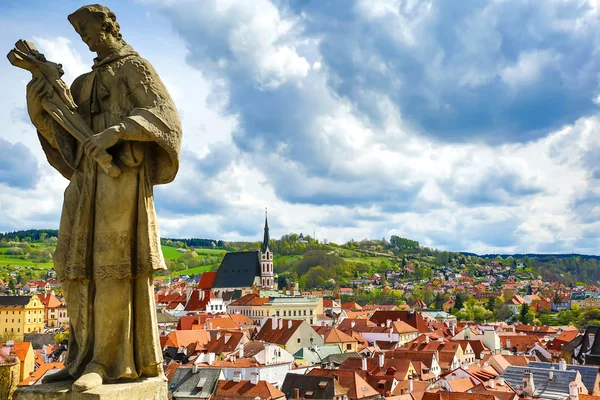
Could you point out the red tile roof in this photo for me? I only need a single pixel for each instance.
(278, 336)
(246, 390)
(357, 387)
(207, 280)
(414, 319)
(49, 300)
(39, 373)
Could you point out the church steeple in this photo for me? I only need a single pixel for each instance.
(266, 238)
(267, 280)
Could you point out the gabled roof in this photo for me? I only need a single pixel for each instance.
(278, 336)
(186, 322)
(49, 300)
(318, 387)
(184, 383)
(456, 396)
(357, 387)
(557, 388)
(39, 373)
(207, 280)
(246, 390)
(180, 339)
(198, 300)
(14, 301)
(589, 373)
(238, 270)
(21, 349)
(250, 299)
(414, 319)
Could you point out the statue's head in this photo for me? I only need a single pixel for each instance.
(96, 25)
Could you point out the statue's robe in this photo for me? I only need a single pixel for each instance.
(108, 244)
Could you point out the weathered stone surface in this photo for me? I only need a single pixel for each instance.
(114, 134)
(147, 389)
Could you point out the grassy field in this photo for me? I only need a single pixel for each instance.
(197, 270)
(9, 260)
(170, 253)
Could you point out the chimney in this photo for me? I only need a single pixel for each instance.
(500, 381)
(573, 391)
(289, 324)
(211, 358)
(352, 323)
(274, 323)
(254, 378)
(452, 330)
(388, 323)
(364, 364)
(285, 293)
(381, 360)
(280, 324)
(237, 376)
(528, 384)
(492, 384)
(551, 373)
(296, 393)
(562, 365)
(194, 369)
(241, 352)
(508, 343)
(218, 335)
(426, 339)
(410, 384)
(292, 289)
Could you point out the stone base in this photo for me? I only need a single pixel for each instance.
(147, 389)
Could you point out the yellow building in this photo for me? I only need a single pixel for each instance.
(26, 356)
(294, 307)
(20, 315)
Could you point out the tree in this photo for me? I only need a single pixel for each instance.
(438, 302)
(523, 313)
(459, 301)
(491, 305)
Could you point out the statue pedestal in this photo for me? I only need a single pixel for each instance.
(147, 389)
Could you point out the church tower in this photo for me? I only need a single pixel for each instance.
(266, 259)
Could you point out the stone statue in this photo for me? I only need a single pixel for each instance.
(108, 245)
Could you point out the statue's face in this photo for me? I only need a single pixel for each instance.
(90, 29)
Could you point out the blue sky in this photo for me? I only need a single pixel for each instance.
(466, 125)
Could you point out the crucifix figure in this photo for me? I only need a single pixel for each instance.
(118, 137)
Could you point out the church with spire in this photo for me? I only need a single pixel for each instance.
(266, 259)
(242, 272)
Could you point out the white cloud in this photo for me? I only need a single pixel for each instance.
(528, 67)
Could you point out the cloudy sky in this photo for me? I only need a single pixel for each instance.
(466, 125)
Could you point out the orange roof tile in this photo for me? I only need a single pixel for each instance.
(184, 338)
(21, 349)
(246, 390)
(40, 372)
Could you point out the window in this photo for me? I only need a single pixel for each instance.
(349, 346)
(277, 313)
(311, 312)
(298, 340)
(305, 313)
(284, 313)
(294, 313)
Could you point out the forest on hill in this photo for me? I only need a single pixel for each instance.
(322, 265)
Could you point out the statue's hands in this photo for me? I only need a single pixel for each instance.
(102, 141)
(37, 90)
